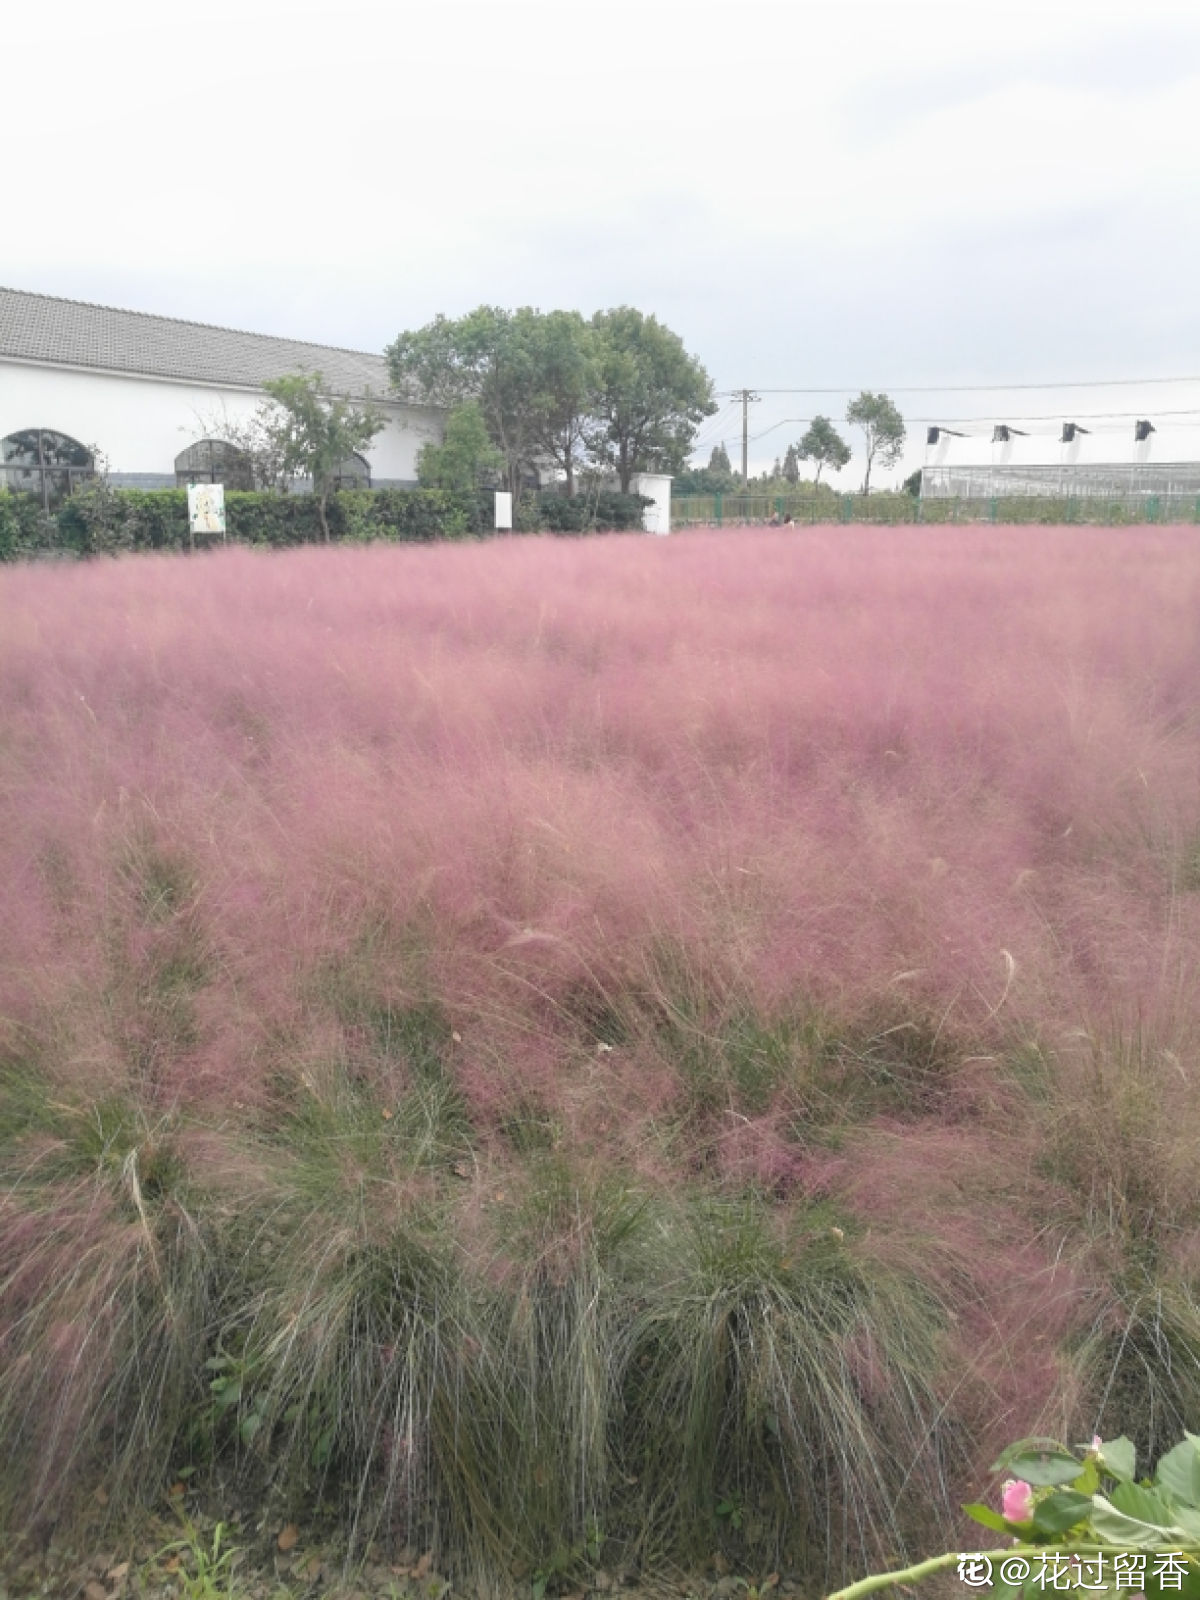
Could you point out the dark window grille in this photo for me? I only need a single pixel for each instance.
(353, 473)
(45, 463)
(214, 461)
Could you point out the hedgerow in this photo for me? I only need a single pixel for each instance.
(101, 520)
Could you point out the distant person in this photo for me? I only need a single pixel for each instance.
(774, 522)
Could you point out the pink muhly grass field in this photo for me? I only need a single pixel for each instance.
(848, 866)
(943, 771)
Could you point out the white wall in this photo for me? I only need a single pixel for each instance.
(141, 424)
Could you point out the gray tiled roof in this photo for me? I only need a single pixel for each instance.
(40, 327)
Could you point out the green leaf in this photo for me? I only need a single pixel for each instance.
(1042, 1468)
(1060, 1511)
(250, 1426)
(1088, 1480)
(226, 1391)
(1118, 1457)
(989, 1518)
(1188, 1519)
(1179, 1473)
(1004, 1591)
(1189, 1588)
(1144, 1504)
(1114, 1527)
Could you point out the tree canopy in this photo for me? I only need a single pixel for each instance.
(883, 430)
(823, 445)
(465, 457)
(312, 434)
(483, 357)
(617, 392)
(653, 395)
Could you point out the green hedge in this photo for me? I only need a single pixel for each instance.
(25, 529)
(588, 513)
(99, 520)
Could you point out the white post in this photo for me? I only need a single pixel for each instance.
(656, 486)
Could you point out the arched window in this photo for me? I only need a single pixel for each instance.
(214, 461)
(42, 462)
(353, 473)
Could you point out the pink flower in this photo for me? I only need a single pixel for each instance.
(1018, 1501)
(1097, 1443)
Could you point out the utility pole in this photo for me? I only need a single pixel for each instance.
(745, 396)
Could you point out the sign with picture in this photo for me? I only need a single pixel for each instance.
(206, 508)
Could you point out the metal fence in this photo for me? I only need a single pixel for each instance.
(733, 511)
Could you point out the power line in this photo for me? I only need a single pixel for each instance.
(1008, 416)
(971, 388)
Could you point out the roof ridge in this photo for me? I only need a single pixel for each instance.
(189, 322)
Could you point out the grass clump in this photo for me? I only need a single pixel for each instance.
(773, 1367)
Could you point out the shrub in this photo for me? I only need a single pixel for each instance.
(25, 529)
(606, 510)
(101, 520)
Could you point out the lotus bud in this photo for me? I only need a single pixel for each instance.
(1018, 1501)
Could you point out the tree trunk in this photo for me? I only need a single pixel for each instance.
(867, 479)
(322, 496)
(570, 478)
(817, 479)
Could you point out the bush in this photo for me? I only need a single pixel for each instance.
(101, 520)
(25, 529)
(586, 513)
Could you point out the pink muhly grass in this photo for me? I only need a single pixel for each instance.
(921, 805)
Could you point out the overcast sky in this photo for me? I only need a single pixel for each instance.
(811, 194)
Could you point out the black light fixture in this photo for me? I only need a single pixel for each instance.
(1002, 433)
(1070, 429)
(932, 435)
(1142, 431)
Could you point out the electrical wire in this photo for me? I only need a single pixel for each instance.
(1008, 416)
(969, 388)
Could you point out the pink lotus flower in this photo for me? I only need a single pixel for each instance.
(1018, 1501)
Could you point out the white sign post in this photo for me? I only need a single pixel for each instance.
(206, 509)
(503, 512)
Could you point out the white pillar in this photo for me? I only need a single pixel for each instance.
(656, 486)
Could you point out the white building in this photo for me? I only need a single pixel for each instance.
(1147, 442)
(153, 399)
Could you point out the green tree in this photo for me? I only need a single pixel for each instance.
(883, 430)
(466, 455)
(823, 445)
(791, 465)
(566, 374)
(488, 356)
(313, 434)
(719, 461)
(652, 395)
